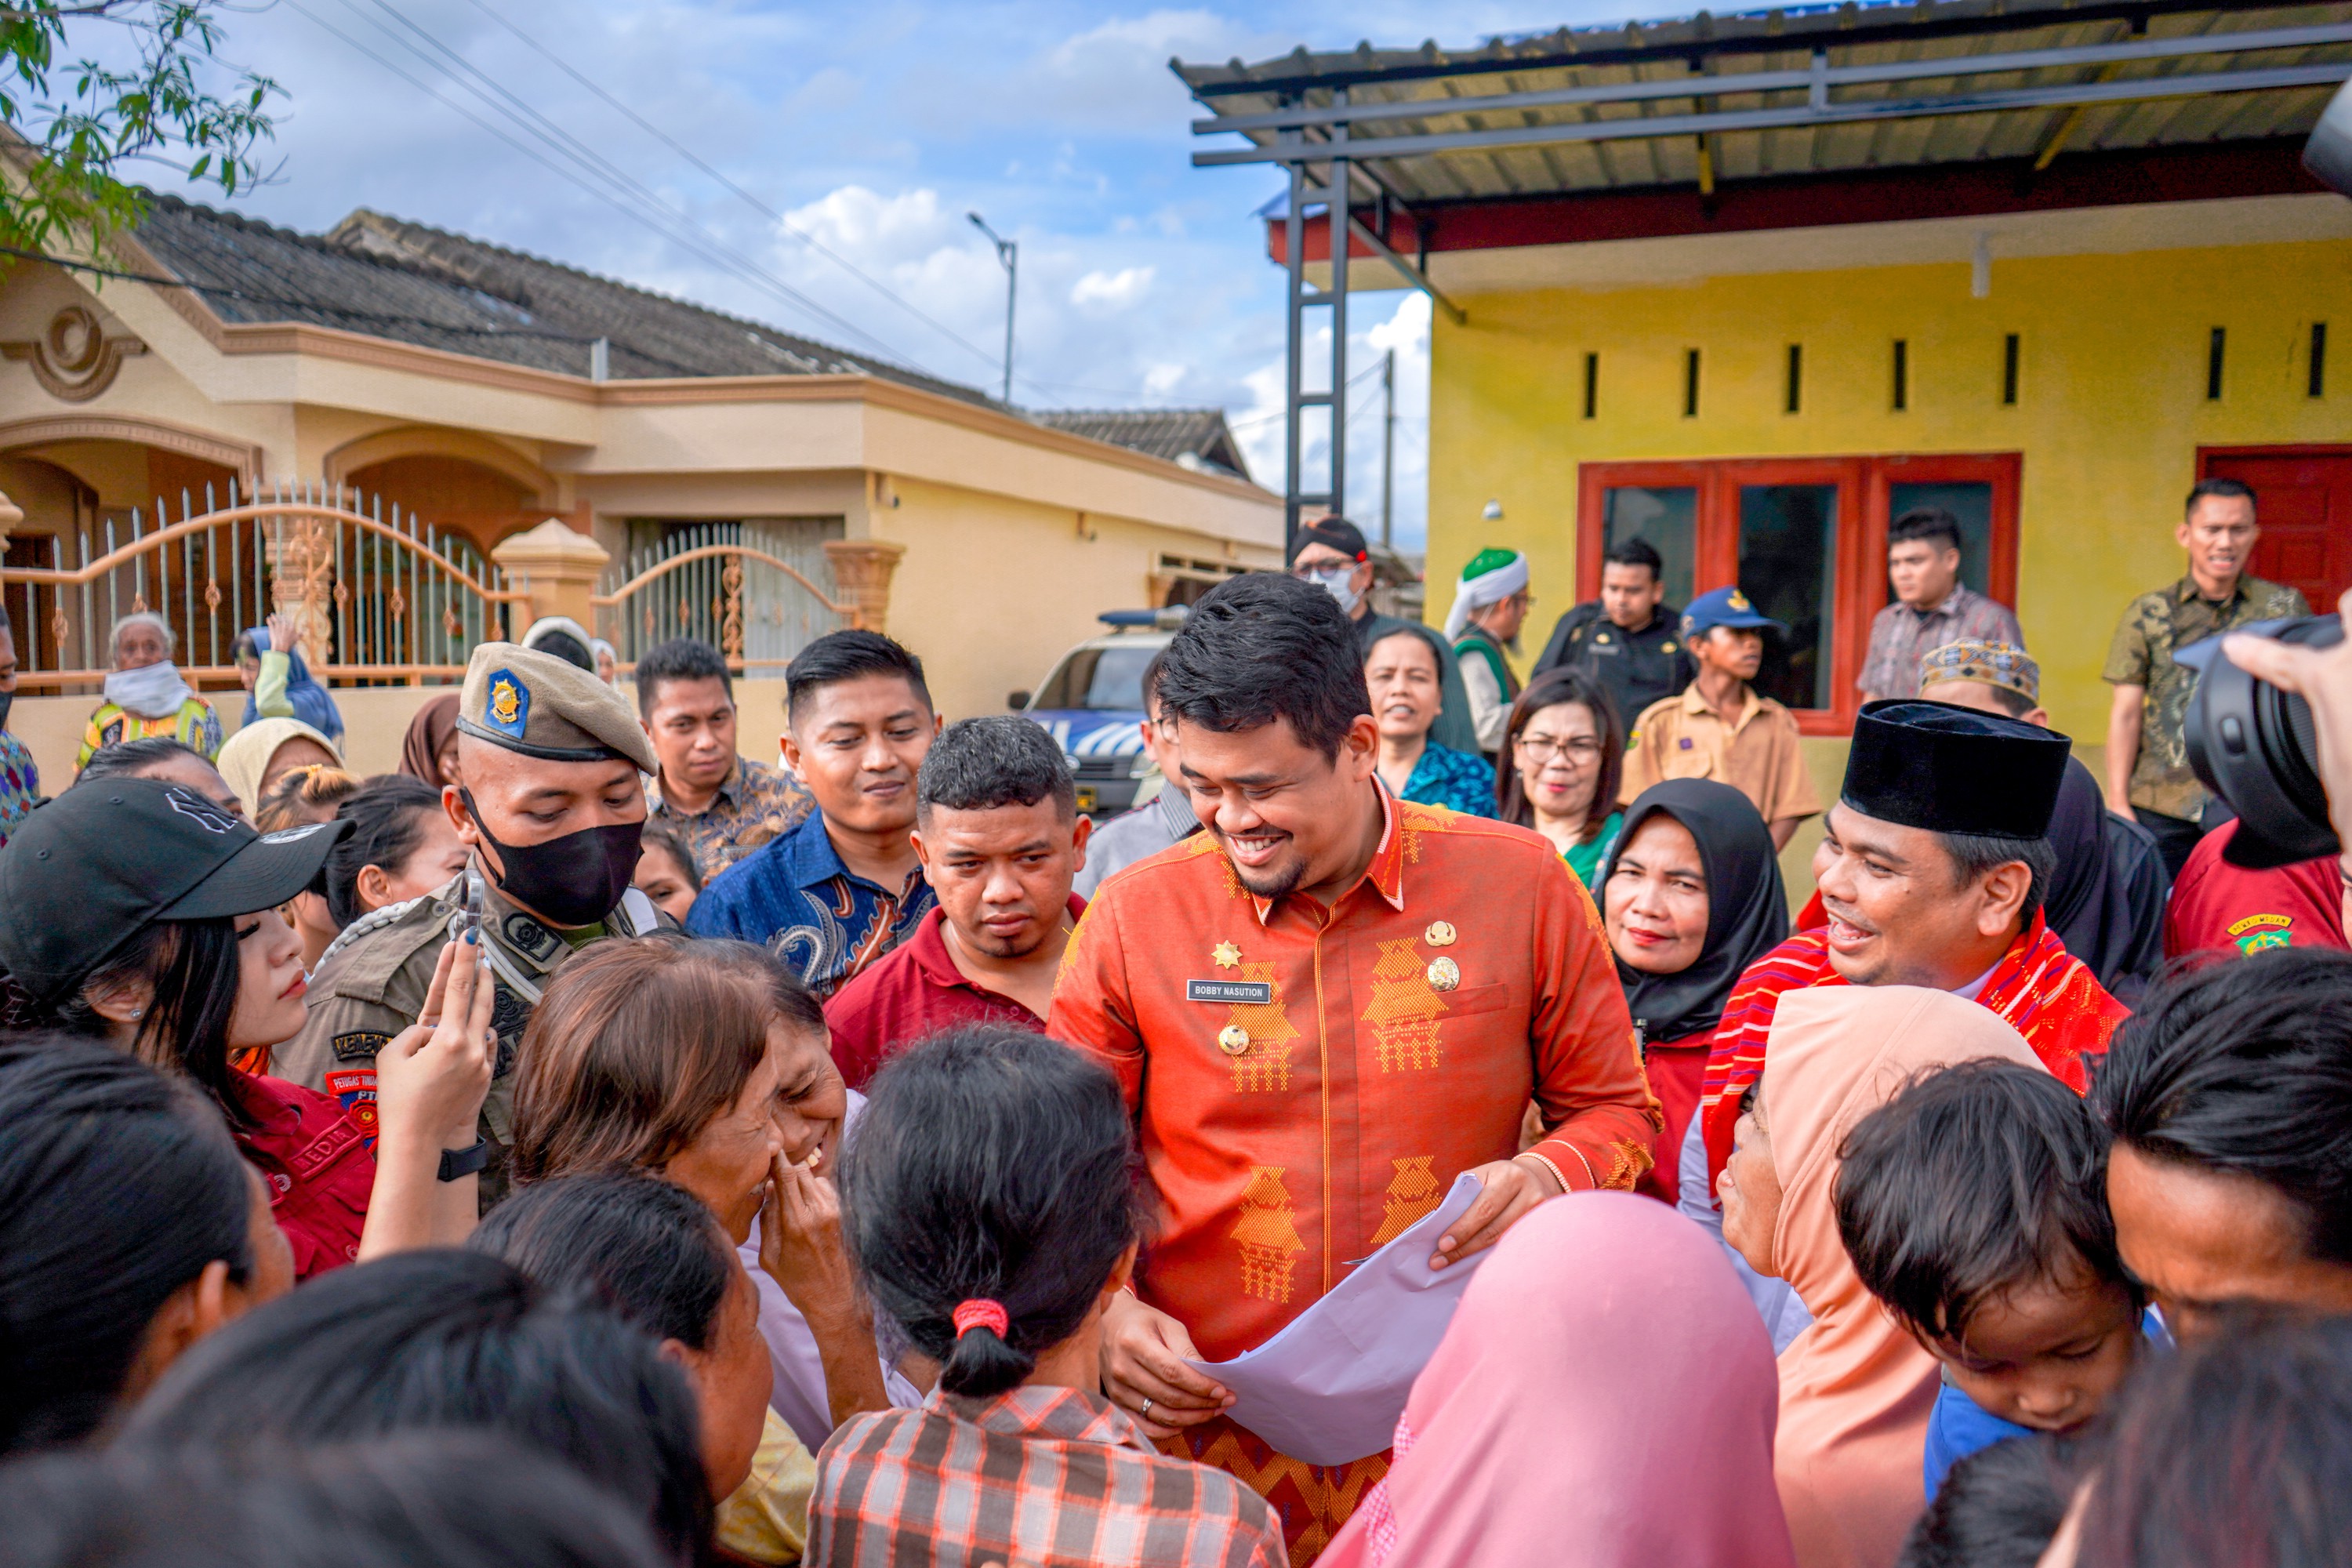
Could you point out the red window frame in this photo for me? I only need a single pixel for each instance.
(1865, 486)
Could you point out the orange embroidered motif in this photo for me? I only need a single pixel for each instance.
(1312, 1501)
(1412, 1192)
(1403, 1012)
(1627, 1162)
(1413, 820)
(1268, 1233)
(1264, 1063)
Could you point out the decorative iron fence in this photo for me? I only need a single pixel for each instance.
(380, 599)
(735, 585)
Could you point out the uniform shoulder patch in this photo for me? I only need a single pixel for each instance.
(359, 1045)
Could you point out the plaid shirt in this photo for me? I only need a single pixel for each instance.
(756, 803)
(795, 898)
(1042, 1475)
(1901, 635)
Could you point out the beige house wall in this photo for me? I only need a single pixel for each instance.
(1017, 536)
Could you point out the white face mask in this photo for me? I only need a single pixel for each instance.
(1338, 581)
(151, 691)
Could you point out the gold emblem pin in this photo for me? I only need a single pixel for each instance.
(1439, 935)
(1666, 647)
(1233, 1039)
(1444, 974)
(1227, 955)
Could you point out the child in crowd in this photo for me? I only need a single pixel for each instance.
(989, 1198)
(1974, 1206)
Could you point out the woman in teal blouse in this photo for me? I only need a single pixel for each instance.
(1400, 672)
(1563, 756)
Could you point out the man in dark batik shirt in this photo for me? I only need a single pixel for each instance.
(845, 887)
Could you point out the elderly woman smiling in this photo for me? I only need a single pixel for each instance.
(707, 1063)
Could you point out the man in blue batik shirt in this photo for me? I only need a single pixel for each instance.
(843, 887)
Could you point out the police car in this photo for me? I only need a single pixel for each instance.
(1092, 703)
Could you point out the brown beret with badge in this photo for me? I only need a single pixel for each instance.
(545, 707)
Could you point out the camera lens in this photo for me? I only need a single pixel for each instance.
(2258, 749)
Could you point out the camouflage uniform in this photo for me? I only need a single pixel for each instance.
(2153, 627)
(371, 984)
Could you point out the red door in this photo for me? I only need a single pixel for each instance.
(2303, 499)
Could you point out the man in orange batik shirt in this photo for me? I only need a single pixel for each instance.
(1324, 1009)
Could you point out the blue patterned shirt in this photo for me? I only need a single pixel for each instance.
(794, 896)
(1455, 780)
(20, 783)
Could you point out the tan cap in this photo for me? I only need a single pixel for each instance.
(546, 707)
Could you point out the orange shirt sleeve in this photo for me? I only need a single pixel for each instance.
(1600, 1118)
(1092, 1008)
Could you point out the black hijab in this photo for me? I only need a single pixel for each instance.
(1746, 908)
(2107, 901)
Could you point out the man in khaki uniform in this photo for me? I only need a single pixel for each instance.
(551, 807)
(1720, 727)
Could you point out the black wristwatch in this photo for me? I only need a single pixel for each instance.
(456, 1162)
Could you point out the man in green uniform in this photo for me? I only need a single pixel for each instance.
(551, 807)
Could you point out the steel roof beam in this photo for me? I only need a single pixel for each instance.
(1797, 117)
(1820, 76)
(1904, 25)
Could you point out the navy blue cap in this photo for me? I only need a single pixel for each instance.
(1725, 607)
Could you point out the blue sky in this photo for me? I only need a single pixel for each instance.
(873, 128)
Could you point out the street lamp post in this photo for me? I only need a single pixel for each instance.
(1008, 255)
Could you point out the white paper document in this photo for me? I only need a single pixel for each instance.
(1329, 1387)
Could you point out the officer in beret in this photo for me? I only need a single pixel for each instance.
(551, 807)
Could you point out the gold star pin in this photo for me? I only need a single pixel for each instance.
(1439, 935)
(1228, 956)
(1233, 1039)
(1444, 974)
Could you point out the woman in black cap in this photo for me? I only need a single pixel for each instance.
(142, 914)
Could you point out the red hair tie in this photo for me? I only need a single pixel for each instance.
(979, 1312)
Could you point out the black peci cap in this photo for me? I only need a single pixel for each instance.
(93, 867)
(1954, 770)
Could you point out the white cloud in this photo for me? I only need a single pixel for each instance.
(1101, 293)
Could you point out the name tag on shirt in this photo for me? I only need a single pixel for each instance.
(1259, 992)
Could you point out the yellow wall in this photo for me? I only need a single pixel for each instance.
(992, 589)
(2111, 411)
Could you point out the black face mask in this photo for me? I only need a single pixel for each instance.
(573, 880)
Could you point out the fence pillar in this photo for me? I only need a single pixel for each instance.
(557, 566)
(301, 555)
(861, 576)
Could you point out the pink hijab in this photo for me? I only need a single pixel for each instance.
(1855, 1390)
(1602, 1399)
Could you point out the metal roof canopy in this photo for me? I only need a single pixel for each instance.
(1809, 90)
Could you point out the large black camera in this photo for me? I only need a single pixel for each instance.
(2250, 742)
(2255, 747)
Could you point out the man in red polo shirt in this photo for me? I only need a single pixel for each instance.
(999, 834)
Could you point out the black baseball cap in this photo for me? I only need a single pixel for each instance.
(1334, 532)
(90, 871)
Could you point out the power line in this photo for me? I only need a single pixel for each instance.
(749, 200)
(529, 119)
(686, 242)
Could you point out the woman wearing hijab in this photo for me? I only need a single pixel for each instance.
(429, 749)
(1690, 897)
(2106, 903)
(278, 684)
(1601, 1360)
(146, 695)
(1855, 1390)
(266, 750)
